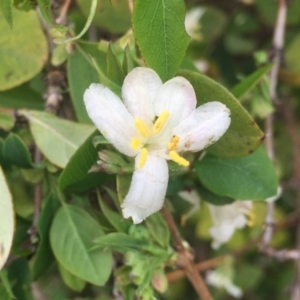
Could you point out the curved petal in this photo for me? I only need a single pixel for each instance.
(178, 97)
(111, 117)
(203, 127)
(147, 190)
(139, 90)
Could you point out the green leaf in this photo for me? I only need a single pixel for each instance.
(81, 73)
(72, 233)
(128, 63)
(44, 257)
(243, 136)
(5, 288)
(123, 185)
(23, 49)
(120, 242)
(114, 218)
(76, 176)
(111, 15)
(247, 84)
(158, 229)
(21, 97)
(16, 152)
(159, 30)
(58, 139)
(250, 177)
(6, 6)
(208, 196)
(72, 281)
(114, 69)
(7, 121)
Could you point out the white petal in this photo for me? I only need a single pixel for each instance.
(147, 190)
(111, 117)
(139, 90)
(203, 127)
(178, 97)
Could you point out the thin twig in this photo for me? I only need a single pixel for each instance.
(185, 260)
(130, 5)
(61, 19)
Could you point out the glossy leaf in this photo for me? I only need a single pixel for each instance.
(44, 257)
(58, 139)
(76, 176)
(6, 7)
(160, 34)
(250, 177)
(243, 136)
(26, 46)
(81, 74)
(15, 151)
(250, 82)
(7, 224)
(208, 196)
(72, 234)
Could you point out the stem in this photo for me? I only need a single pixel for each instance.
(63, 13)
(185, 260)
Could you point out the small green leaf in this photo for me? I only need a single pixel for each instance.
(158, 229)
(243, 136)
(16, 152)
(81, 73)
(159, 30)
(114, 218)
(250, 177)
(123, 184)
(6, 6)
(242, 88)
(44, 257)
(7, 121)
(76, 176)
(72, 234)
(58, 139)
(114, 69)
(120, 242)
(5, 287)
(128, 63)
(72, 281)
(23, 49)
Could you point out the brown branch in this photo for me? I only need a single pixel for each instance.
(61, 19)
(186, 259)
(130, 5)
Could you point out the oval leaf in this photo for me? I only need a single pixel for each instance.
(160, 33)
(243, 136)
(7, 223)
(23, 49)
(71, 236)
(57, 139)
(250, 177)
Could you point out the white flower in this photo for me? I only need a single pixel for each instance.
(192, 25)
(156, 122)
(220, 279)
(226, 219)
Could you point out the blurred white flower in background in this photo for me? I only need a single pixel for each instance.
(192, 22)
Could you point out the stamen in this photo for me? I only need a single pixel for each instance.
(161, 121)
(178, 159)
(174, 143)
(135, 143)
(143, 157)
(142, 128)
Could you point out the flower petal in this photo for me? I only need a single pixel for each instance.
(111, 117)
(147, 190)
(176, 96)
(139, 90)
(203, 127)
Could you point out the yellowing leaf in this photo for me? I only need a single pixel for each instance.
(7, 222)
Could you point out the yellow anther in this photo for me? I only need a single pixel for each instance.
(135, 143)
(174, 143)
(178, 159)
(161, 121)
(142, 128)
(143, 158)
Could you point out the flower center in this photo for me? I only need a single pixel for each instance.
(145, 133)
